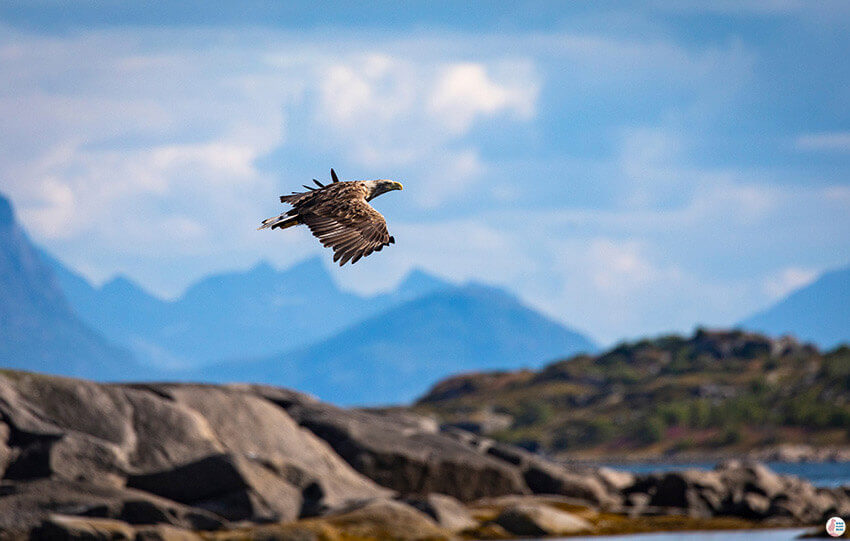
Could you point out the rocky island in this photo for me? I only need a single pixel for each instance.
(82, 460)
(714, 395)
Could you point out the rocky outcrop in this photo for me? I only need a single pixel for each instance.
(746, 490)
(408, 456)
(160, 461)
(225, 453)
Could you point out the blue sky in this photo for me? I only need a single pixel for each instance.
(628, 168)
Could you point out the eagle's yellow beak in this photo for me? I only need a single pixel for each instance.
(398, 186)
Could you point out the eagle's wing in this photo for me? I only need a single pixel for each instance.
(347, 223)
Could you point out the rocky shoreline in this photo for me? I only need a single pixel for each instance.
(784, 453)
(82, 460)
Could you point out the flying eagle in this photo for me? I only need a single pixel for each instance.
(340, 216)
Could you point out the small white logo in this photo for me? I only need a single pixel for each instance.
(835, 526)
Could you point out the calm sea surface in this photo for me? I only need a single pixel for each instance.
(827, 474)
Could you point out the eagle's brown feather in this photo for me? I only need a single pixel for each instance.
(340, 217)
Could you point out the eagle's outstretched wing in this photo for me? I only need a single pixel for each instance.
(339, 216)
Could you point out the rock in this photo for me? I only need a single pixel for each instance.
(165, 533)
(637, 503)
(448, 512)
(61, 528)
(254, 460)
(81, 431)
(285, 466)
(697, 493)
(615, 479)
(227, 486)
(754, 506)
(422, 462)
(385, 519)
(25, 505)
(751, 477)
(539, 520)
(544, 478)
(408, 422)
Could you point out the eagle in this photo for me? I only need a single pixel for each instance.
(339, 215)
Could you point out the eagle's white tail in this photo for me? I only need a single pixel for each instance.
(279, 222)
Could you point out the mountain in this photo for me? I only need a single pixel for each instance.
(392, 357)
(818, 312)
(245, 314)
(38, 329)
(717, 393)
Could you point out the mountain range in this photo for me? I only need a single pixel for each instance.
(394, 356)
(237, 315)
(39, 330)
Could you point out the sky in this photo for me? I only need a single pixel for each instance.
(630, 169)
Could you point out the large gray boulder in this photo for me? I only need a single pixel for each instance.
(407, 456)
(541, 520)
(276, 469)
(229, 450)
(545, 477)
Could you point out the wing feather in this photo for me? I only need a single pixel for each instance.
(339, 216)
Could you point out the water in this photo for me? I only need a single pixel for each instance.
(821, 474)
(728, 535)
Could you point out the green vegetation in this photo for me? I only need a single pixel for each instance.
(715, 391)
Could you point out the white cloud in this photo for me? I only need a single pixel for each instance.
(391, 111)
(464, 91)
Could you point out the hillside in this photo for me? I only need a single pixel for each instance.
(393, 356)
(38, 329)
(712, 393)
(818, 312)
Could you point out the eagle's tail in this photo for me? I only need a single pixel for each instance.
(279, 222)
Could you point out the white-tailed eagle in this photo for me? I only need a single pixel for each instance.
(339, 215)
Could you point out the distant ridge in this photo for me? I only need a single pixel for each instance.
(38, 329)
(394, 356)
(242, 314)
(818, 312)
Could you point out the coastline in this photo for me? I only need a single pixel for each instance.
(246, 461)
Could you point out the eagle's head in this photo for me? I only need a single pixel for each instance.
(377, 187)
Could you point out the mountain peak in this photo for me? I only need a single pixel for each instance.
(7, 213)
(122, 284)
(818, 312)
(419, 282)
